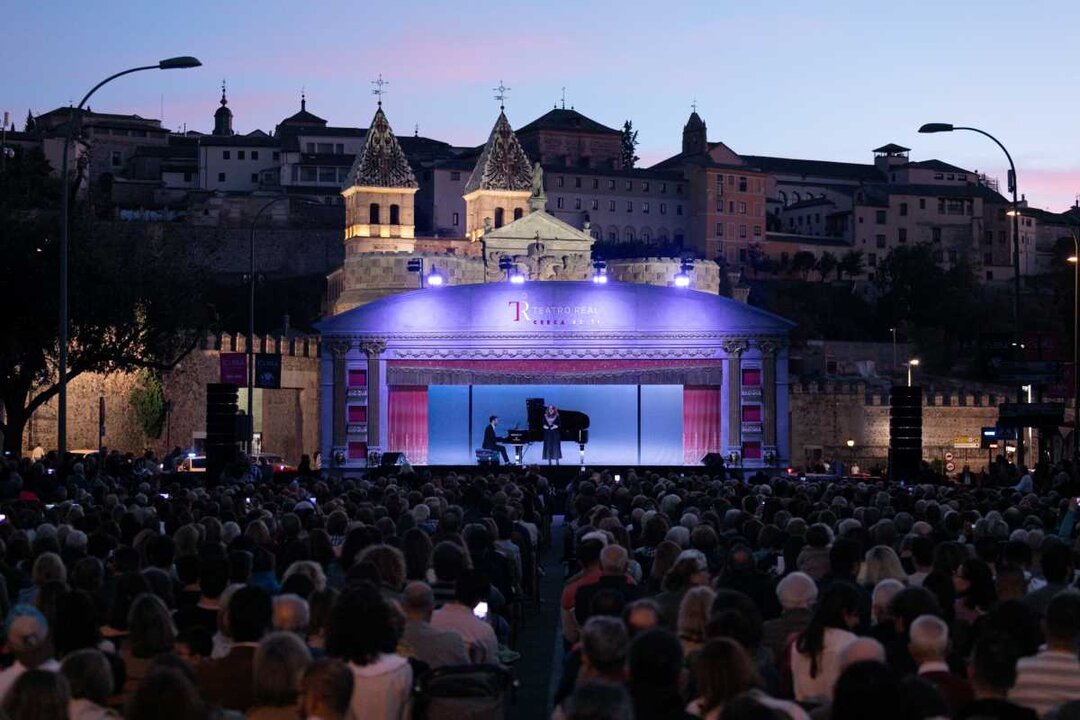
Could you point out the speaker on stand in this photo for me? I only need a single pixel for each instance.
(905, 433)
(221, 428)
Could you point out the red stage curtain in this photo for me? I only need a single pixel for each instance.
(701, 422)
(409, 422)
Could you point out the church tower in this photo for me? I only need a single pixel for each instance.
(694, 138)
(379, 202)
(500, 186)
(223, 116)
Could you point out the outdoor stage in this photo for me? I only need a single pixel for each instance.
(665, 375)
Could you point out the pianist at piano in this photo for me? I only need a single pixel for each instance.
(642, 375)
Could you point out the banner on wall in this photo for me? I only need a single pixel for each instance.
(268, 371)
(233, 368)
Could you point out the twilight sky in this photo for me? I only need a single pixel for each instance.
(824, 80)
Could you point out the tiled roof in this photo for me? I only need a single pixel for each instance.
(567, 121)
(857, 172)
(812, 202)
(937, 165)
(381, 162)
(503, 164)
(878, 194)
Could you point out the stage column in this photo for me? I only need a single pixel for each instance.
(768, 349)
(333, 391)
(734, 348)
(374, 349)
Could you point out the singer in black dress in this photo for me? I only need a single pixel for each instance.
(552, 437)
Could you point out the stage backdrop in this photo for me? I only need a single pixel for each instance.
(615, 433)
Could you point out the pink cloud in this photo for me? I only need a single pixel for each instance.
(1052, 189)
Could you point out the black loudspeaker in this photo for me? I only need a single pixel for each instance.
(905, 432)
(713, 460)
(221, 428)
(392, 459)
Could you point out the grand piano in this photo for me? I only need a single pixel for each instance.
(573, 427)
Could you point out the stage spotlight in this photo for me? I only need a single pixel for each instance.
(517, 278)
(435, 279)
(682, 279)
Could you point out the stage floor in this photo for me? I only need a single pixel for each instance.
(555, 473)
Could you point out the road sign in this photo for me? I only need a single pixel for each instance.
(948, 457)
(950, 467)
(965, 442)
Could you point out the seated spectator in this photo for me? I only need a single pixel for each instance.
(881, 563)
(1052, 677)
(613, 576)
(929, 646)
(90, 678)
(213, 579)
(363, 633)
(815, 656)
(1057, 567)
(694, 615)
(865, 690)
(741, 574)
(597, 700)
(814, 557)
(419, 639)
(28, 642)
(166, 694)
(724, 671)
(38, 695)
(655, 668)
(459, 616)
(291, 614)
(993, 674)
(882, 623)
(588, 554)
(922, 559)
(227, 681)
(326, 689)
(280, 661)
(797, 594)
(690, 570)
(640, 616)
(150, 633)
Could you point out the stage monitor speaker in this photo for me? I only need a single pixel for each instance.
(393, 459)
(905, 432)
(713, 460)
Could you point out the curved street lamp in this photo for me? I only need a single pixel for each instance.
(930, 128)
(182, 62)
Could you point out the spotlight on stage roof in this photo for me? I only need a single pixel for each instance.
(517, 278)
(435, 279)
(600, 276)
(682, 278)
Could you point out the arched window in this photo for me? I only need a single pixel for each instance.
(373, 214)
(595, 232)
(646, 235)
(613, 235)
(795, 195)
(661, 235)
(499, 217)
(395, 215)
(628, 235)
(518, 213)
(783, 198)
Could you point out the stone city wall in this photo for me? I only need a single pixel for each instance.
(661, 271)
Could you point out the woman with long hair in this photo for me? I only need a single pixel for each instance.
(975, 590)
(881, 563)
(815, 656)
(724, 671)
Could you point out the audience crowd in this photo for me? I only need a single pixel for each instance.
(136, 593)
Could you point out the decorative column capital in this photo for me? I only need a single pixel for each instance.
(373, 348)
(735, 346)
(337, 349)
(769, 346)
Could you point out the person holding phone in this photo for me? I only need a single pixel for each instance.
(460, 615)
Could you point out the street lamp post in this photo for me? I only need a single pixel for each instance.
(947, 127)
(913, 362)
(175, 63)
(1075, 260)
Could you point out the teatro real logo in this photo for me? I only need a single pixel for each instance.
(522, 312)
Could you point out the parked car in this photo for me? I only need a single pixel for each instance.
(276, 461)
(192, 464)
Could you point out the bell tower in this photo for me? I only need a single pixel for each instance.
(379, 194)
(500, 186)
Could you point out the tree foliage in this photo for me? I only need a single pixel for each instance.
(147, 400)
(851, 264)
(803, 262)
(629, 146)
(133, 303)
(826, 264)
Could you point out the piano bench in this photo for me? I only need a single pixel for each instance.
(488, 457)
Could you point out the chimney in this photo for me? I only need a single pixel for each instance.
(739, 291)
